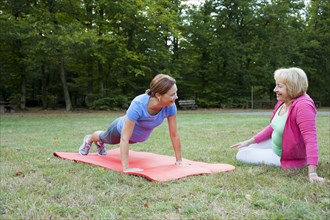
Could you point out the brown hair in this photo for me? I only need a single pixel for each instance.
(161, 83)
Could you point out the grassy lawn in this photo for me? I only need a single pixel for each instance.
(37, 185)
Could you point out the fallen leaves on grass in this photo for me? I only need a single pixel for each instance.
(20, 173)
(248, 197)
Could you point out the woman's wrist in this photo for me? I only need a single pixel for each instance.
(312, 174)
(251, 141)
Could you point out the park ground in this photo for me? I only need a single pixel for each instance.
(37, 185)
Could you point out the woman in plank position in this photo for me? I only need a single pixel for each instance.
(290, 139)
(145, 112)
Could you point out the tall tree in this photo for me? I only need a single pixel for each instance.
(317, 49)
(74, 52)
(15, 38)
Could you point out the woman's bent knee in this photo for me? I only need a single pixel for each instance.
(96, 136)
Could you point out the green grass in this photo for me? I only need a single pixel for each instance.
(37, 185)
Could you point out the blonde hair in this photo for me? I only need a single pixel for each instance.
(294, 78)
(161, 83)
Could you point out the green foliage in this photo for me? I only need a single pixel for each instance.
(110, 103)
(317, 49)
(217, 51)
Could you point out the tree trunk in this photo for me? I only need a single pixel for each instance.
(44, 87)
(22, 104)
(67, 100)
(100, 70)
(89, 70)
(99, 64)
(22, 101)
(175, 49)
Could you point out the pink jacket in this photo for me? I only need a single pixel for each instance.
(299, 141)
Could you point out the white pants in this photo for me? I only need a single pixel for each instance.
(261, 153)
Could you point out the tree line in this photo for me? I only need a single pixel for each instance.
(100, 54)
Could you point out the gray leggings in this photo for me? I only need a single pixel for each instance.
(112, 135)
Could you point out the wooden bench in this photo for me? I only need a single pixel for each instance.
(317, 104)
(187, 104)
(6, 107)
(2, 106)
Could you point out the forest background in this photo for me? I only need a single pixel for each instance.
(100, 54)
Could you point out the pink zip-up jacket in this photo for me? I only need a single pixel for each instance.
(299, 140)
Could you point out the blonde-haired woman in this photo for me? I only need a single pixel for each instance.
(290, 139)
(145, 112)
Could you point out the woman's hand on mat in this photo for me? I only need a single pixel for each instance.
(128, 170)
(181, 163)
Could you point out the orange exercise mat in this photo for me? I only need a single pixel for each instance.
(155, 167)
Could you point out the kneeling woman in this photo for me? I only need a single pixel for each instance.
(146, 112)
(290, 139)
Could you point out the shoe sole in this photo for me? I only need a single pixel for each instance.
(102, 154)
(82, 154)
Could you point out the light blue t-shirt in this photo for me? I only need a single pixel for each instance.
(144, 122)
(278, 124)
